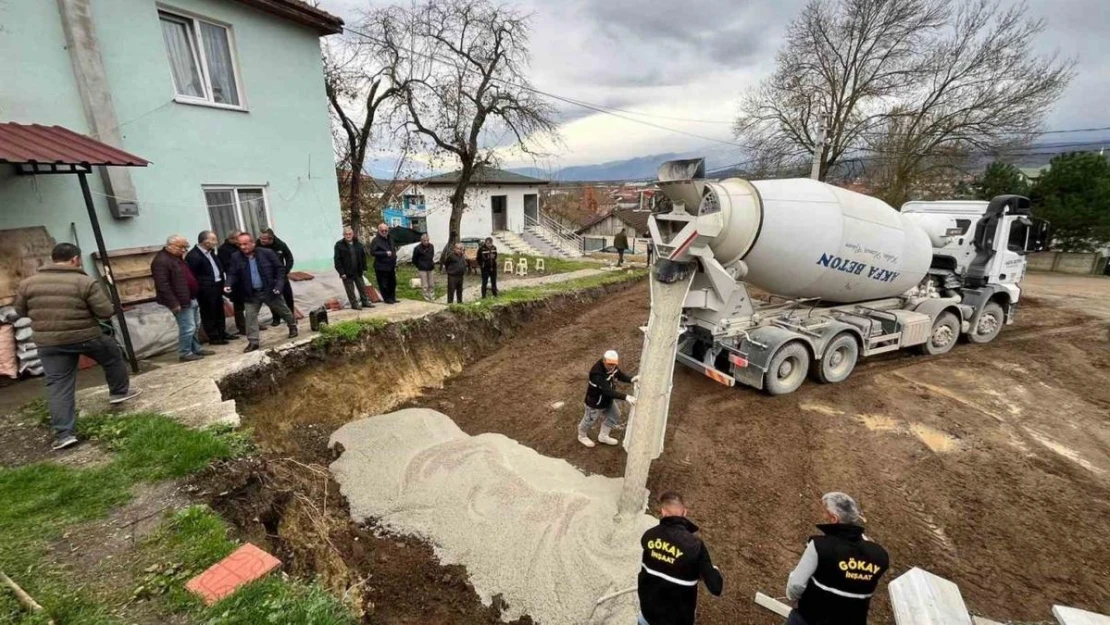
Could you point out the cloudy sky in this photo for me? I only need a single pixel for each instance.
(683, 65)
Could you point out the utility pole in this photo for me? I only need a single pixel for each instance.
(819, 147)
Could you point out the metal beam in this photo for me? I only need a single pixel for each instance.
(109, 278)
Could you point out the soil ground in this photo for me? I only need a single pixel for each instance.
(989, 466)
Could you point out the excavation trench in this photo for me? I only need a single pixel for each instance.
(285, 499)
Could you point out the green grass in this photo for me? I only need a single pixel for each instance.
(42, 500)
(405, 273)
(347, 331)
(483, 307)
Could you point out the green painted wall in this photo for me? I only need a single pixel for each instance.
(282, 142)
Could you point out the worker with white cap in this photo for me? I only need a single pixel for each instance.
(600, 394)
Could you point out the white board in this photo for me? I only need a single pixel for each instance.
(920, 598)
(1075, 616)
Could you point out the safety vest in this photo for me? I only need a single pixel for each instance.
(848, 571)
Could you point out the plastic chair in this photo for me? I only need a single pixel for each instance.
(522, 267)
(508, 266)
(540, 266)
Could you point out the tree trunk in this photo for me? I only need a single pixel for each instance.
(458, 205)
(355, 203)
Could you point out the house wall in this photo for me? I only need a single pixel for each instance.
(282, 142)
(477, 219)
(608, 227)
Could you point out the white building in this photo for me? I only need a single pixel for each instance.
(496, 201)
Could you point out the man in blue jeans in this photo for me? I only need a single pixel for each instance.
(176, 288)
(66, 307)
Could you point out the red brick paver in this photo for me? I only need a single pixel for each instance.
(242, 567)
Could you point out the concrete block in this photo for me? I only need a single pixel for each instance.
(920, 598)
(1074, 616)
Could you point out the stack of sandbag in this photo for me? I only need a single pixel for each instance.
(9, 363)
(26, 350)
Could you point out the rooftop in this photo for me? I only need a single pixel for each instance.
(484, 175)
(51, 146)
(301, 12)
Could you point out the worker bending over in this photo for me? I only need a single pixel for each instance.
(674, 560)
(839, 571)
(599, 399)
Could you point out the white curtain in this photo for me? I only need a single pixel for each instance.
(217, 51)
(186, 74)
(221, 211)
(253, 206)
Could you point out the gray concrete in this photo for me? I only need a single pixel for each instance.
(920, 598)
(1075, 616)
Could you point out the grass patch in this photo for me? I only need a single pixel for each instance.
(195, 537)
(483, 307)
(41, 500)
(347, 331)
(406, 273)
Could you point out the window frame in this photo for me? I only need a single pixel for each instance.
(234, 189)
(192, 21)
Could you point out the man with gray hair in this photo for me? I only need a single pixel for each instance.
(176, 288)
(205, 264)
(839, 571)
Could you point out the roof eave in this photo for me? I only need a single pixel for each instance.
(321, 21)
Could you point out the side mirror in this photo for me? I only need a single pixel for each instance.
(1039, 236)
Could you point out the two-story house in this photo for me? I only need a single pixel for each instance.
(225, 98)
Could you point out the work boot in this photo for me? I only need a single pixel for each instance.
(603, 436)
(275, 322)
(292, 332)
(585, 440)
(190, 357)
(252, 346)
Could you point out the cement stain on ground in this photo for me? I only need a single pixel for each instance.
(1065, 452)
(878, 422)
(828, 411)
(939, 442)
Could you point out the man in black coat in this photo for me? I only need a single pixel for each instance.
(209, 272)
(424, 258)
(270, 241)
(454, 264)
(673, 562)
(600, 399)
(838, 571)
(487, 263)
(385, 264)
(350, 264)
(228, 249)
(257, 274)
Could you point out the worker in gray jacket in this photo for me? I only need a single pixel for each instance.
(454, 264)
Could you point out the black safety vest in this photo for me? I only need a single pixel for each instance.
(848, 571)
(669, 572)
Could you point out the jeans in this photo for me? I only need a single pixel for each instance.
(620, 256)
(428, 284)
(612, 418)
(387, 284)
(491, 276)
(188, 318)
(356, 290)
(59, 362)
(454, 288)
(276, 304)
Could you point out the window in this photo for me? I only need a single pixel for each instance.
(201, 60)
(236, 208)
(396, 222)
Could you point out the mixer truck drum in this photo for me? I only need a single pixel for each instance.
(668, 271)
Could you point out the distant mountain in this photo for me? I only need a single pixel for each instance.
(638, 168)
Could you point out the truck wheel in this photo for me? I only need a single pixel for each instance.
(946, 329)
(988, 324)
(787, 370)
(839, 360)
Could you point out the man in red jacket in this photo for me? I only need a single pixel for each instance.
(176, 288)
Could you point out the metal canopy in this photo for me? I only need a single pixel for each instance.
(34, 149)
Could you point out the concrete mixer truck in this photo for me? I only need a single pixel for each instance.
(844, 275)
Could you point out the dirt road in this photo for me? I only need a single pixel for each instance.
(989, 466)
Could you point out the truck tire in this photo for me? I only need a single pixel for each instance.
(839, 360)
(787, 370)
(988, 324)
(946, 331)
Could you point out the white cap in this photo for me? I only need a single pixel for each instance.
(611, 356)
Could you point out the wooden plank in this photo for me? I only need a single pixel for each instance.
(1074, 616)
(131, 267)
(22, 252)
(772, 604)
(920, 598)
(130, 251)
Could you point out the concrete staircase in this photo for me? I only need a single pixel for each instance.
(560, 246)
(512, 243)
(545, 248)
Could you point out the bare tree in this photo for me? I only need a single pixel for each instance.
(462, 64)
(913, 87)
(362, 97)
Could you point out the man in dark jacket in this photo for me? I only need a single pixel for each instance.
(176, 288)
(209, 272)
(350, 264)
(424, 258)
(599, 399)
(487, 263)
(621, 243)
(66, 308)
(454, 263)
(270, 241)
(674, 560)
(228, 249)
(257, 275)
(385, 264)
(839, 571)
